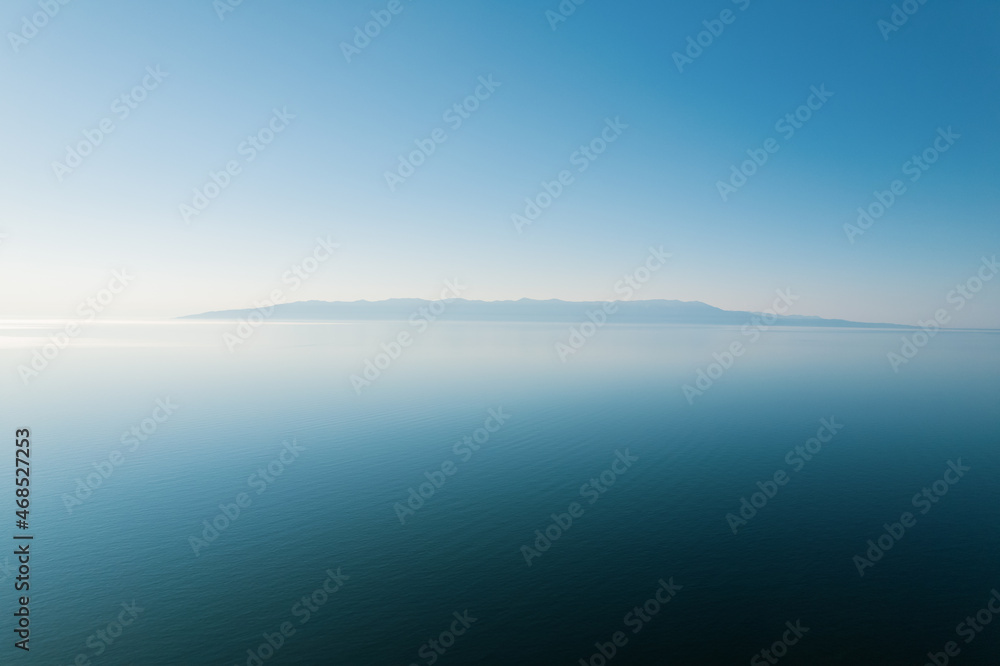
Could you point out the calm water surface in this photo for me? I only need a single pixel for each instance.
(341, 501)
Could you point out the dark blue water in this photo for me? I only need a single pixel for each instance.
(334, 505)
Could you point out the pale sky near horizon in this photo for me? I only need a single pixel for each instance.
(895, 94)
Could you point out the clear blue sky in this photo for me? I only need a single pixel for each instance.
(655, 185)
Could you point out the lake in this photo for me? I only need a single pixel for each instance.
(475, 499)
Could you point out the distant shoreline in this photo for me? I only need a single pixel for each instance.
(529, 311)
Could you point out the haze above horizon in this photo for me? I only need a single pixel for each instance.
(416, 159)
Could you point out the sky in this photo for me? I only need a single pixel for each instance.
(682, 116)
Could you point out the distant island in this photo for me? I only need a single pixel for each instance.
(525, 310)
